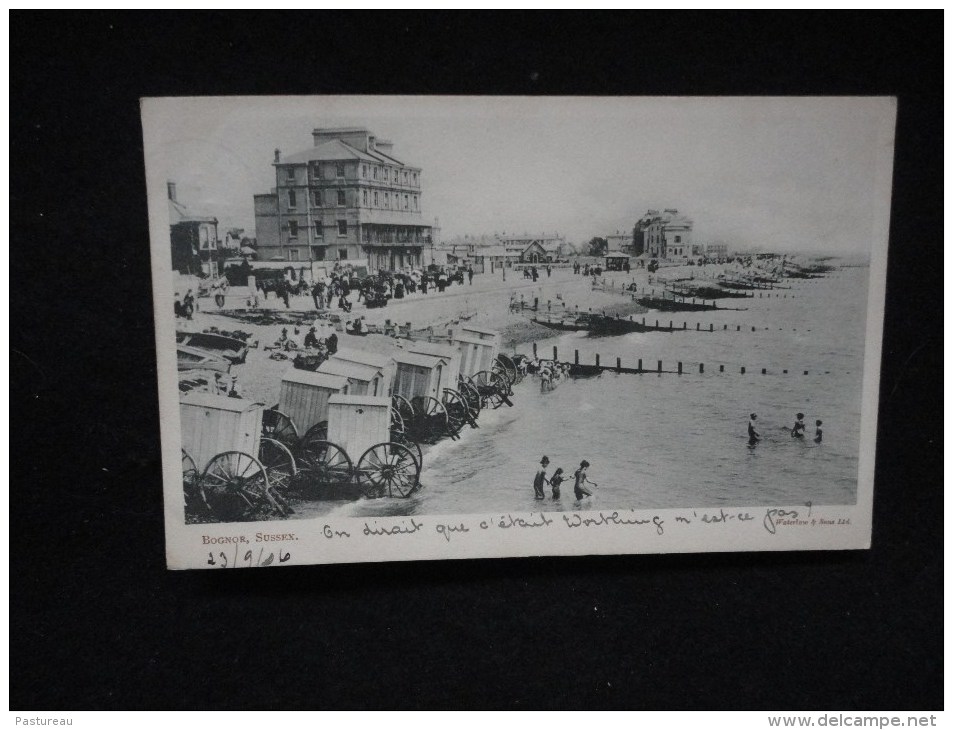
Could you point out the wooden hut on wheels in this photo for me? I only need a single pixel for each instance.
(369, 359)
(304, 396)
(419, 376)
(364, 379)
(451, 354)
(476, 353)
(357, 422)
(214, 424)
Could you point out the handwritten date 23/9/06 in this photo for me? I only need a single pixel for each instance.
(249, 559)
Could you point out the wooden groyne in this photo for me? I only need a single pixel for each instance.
(657, 367)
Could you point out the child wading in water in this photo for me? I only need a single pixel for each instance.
(798, 430)
(580, 486)
(818, 433)
(540, 478)
(555, 480)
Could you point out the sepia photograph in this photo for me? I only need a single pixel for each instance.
(419, 327)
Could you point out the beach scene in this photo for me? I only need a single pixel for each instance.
(354, 340)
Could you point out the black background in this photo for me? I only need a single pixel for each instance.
(97, 622)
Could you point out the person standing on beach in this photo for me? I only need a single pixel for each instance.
(470, 275)
(581, 480)
(188, 304)
(540, 478)
(818, 433)
(753, 436)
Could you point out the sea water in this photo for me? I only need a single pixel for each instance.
(668, 440)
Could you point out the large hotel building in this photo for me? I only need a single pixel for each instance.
(346, 198)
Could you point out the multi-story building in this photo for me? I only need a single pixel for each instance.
(347, 198)
(194, 239)
(716, 250)
(619, 242)
(665, 235)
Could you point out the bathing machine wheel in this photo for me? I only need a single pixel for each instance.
(388, 470)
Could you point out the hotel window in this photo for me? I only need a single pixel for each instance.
(678, 239)
(374, 170)
(318, 229)
(385, 174)
(376, 199)
(292, 229)
(342, 253)
(364, 171)
(406, 202)
(339, 170)
(342, 228)
(364, 197)
(316, 198)
(293, 254)
(415, 202)
(405, 177)
(292, 199)
(415, 178)
(290, 172)
(340, 197)
(316, 171)
(387, 200)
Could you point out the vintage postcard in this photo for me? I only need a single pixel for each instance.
(416, 328)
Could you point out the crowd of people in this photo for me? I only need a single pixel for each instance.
(797, 431)
(581, 483)
(342, 287)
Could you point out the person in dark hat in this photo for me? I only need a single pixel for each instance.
(540, 478)
(311, 339)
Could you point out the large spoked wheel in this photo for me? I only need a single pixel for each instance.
(404, 409)
(431, 421)
(517, 361)
(190, 478)
(280, 464)
(505, 367)
(388, 470)
(235, 486)
(318, 432)
(492, 388)
(458, 412)
(468, 390)
(398, 428)
(278, 426)
(399, 432)
(324, 463)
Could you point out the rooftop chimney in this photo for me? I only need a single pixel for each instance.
(277, 155)
(170, 188)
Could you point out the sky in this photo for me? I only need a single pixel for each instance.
(783, 174)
